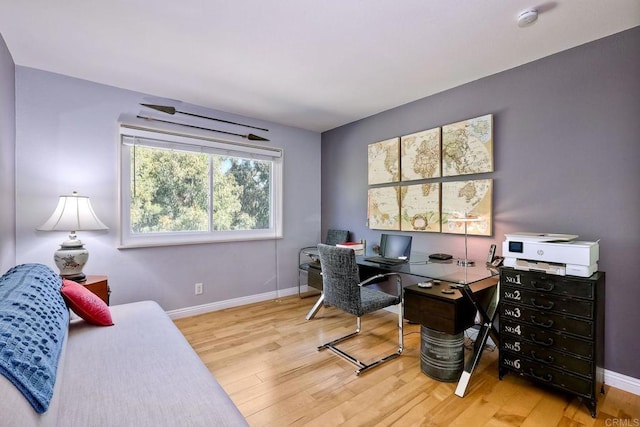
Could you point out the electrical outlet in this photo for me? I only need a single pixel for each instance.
(199, 288)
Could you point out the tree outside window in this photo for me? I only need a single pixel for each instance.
(193, 190)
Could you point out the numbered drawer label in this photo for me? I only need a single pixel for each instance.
(545, 283)
(547, 374)
(547, 320)
(548, 302)
(548, 339)
(547, 356)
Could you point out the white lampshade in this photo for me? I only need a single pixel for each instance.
(73, 213)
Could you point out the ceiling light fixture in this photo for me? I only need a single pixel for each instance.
(527, 17)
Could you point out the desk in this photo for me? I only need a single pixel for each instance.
(447, 313)
(422, 268)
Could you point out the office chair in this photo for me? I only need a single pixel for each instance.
(308, 257)
(343, 290)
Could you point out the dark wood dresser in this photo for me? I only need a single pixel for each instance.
(552, 331)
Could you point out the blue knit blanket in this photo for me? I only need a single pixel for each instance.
(33, 324)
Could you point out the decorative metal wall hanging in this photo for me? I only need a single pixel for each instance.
(171, 110)
(248, 136)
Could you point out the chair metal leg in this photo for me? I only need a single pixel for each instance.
(400, 326)
(361, 365)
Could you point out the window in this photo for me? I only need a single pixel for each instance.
(178, 189)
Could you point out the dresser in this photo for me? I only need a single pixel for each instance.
(552, 331)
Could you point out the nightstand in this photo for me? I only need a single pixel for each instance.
(98, 285)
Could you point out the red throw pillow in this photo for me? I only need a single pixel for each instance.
(86, 304)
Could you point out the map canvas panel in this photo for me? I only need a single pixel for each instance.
(472, 198)
(383, 212)
(420, 209)
(384, 161)
(420, 155)
(467, 147)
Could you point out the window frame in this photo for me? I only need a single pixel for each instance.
(195, 143)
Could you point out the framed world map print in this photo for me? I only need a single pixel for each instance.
(420, 207)
(467, 146)
(470, 199)
(383, 211)
(384, 161)
(420, 155)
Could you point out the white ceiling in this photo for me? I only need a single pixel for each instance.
(313, 64)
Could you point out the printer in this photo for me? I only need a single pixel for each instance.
(557, 254)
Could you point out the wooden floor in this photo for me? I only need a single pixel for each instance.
(265, 357)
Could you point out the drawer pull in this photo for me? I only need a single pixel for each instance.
(542, 306)
(547, 378)
(548, 288)
(547, 361)
(546, 324)
(547, 343)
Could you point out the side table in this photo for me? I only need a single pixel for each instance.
(99, 285)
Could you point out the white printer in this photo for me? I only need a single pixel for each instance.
(557, 254)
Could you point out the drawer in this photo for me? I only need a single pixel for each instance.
(547, 301)
(548, 339)
(546, 356)
(547, 374)
(443, 313)
(547, 320)
(548, 283)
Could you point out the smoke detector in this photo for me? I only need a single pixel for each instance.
(527, 17)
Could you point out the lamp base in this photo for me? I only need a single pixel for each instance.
(80, 278)
(466, 263)
(70, 260)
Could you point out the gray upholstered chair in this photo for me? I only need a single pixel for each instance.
(343, 290)
(336, 236)
(308, 256)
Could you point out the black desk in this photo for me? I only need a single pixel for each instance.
(449, 313)
(422, 268)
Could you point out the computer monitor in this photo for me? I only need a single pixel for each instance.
(395, 246)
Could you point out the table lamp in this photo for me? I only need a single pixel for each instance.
(466, 218)
(73, 213)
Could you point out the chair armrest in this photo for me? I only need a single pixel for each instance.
(311, 252)
(375, 279)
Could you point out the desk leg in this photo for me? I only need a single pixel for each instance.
(488, 316)
(315, 308)
(478, 348)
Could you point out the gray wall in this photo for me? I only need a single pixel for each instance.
(67, 140)
(567, 160)
(7, 155)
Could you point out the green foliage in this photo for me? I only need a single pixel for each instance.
(241, 194)
(170, 191)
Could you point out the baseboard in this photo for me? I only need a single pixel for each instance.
(235, 302)
(613, 379)
(622, 382)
